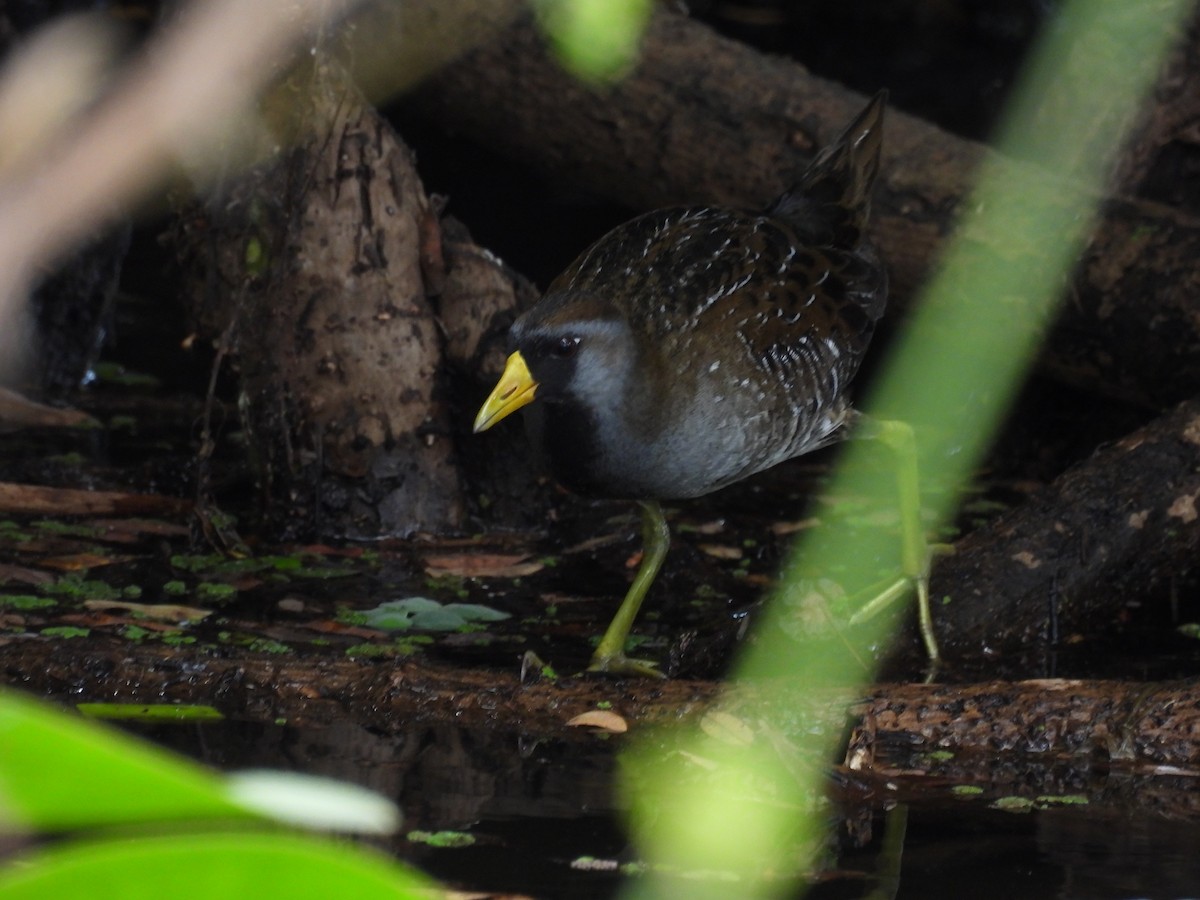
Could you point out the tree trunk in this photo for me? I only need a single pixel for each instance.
(324, 266)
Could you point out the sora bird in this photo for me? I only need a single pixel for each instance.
(692, 347)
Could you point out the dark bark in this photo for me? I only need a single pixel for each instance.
(478, 300)
(1162, 159)
(36, 500)
(337, 327)
(1116, 721)
(709, 120)
(73, 306)
(1119, 722)
(1120, 525)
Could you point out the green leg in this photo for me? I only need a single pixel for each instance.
(610, 654)
(914, 552)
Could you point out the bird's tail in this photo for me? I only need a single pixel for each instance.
(830, 202)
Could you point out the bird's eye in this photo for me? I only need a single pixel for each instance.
(565, 347)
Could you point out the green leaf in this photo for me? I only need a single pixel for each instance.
(215, 591)
(263, 866)
(65, 631)
(442, 839)
(25, 601)
(426, 615)
(1046, 800)
(477, 612)
(59, 772)
(1013, 804)
(441, 619)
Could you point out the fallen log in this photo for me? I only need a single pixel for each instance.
(18, 411)
(37, 500)
(706, 119)
(1124, 523)
(1119, 722)
(1160, 160)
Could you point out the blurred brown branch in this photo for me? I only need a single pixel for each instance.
(184, 94)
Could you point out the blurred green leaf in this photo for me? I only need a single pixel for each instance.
(59, 771)
(218, 866)
(596, 40)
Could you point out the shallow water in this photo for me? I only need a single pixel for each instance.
(544, 819)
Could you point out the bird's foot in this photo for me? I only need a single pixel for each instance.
(883, 595)
(610, 658)
(621, 666)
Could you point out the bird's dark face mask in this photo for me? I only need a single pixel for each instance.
(575, 368)
(541, 368)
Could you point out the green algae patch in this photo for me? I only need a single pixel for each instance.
(150, 712)
(25, 602)
(442, 839)
(65, 631)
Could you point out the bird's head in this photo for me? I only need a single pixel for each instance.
(569, 349)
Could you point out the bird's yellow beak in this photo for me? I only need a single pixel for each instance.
(515, 389)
